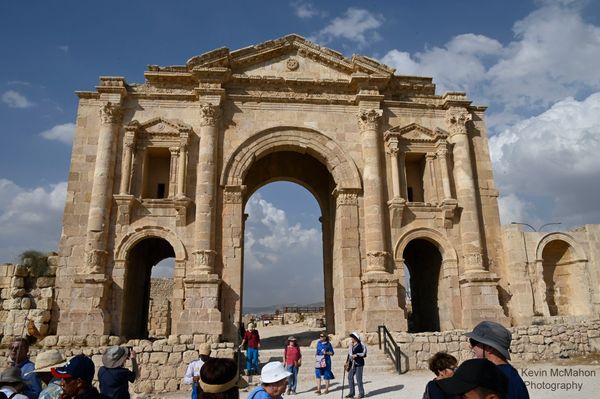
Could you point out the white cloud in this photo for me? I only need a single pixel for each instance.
(64, 48)
(554, 54)
(280, 258)
(14, 99)
(356, 25)
(29, 218)
(63, 133)
(18, 83)
(553, 157)
(305, 9)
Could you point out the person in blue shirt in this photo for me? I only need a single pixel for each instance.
(490, 340)
(113, 377)
(323, 362)
(274, 381)
(19, 357)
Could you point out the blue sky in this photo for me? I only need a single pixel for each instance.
(536, 64)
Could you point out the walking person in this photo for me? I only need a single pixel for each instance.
(323, 363)
(292, 358)
(490, 340)
(355, 363)
(114, 379)
(442, 365)
(252, 339)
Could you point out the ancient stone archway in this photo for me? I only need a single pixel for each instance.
(317, 163)
(561, 266)
(432, 264)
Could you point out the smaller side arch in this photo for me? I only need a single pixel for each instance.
(440, 240)
(132, 238)
(548, 238)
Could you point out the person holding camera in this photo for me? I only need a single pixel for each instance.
(355, 361)
(113, 377)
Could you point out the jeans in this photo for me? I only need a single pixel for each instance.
(252, 360)
(292, 379)
(358, 371)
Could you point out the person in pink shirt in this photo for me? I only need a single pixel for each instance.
(292, 358)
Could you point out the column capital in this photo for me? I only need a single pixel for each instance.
(110, 113)
(369, 119)
(376, 261)
(430, 156)
(345, 197)
(457, 119)
(209, 114)
(129, 140)
(233, 194)
(393, 146)
(174, 151)
(204, 260)
(95, 261)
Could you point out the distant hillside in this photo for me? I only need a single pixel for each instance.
(258, 310)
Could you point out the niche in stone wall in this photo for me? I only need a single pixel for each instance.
(415, 172)
(559, 272)
(156, 173)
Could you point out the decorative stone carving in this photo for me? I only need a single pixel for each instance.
(110, 113)
(376, 260)
(346, 198)
(473, 259)
(292, 64)
(95, 261)
(457, 119)
(209, 114)
(233, 194)
(369, 119)
(204, 259)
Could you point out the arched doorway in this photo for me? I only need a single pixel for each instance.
(312, 175)
(136, 296)
(423, 261)
(560, 276)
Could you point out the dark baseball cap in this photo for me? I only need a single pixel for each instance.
(79, 366)
(475, 373)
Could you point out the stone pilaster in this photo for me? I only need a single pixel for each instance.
(181, 171)
(466, 190)
(369, 122)
(442, 155)
(432, 192)
(128, 147)
(206, 174)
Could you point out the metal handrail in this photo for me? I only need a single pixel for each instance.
(391, 348)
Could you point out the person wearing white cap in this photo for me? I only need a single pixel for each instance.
(355, 363)
(274, 381)
(192, 374)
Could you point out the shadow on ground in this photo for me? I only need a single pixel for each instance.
(279, 341)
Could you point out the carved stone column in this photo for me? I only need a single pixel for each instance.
(442, 153)
(128, 146)
(181, 171)
(369, 121)
(432, 195)
(173, 170)
(466, 190)
(101, 196)
(206, 173)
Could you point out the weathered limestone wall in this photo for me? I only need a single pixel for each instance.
(24, 297)
(159, 314)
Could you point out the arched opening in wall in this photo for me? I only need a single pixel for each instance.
(288, 236)
(423, 262)
(557, 260)
(150, 257)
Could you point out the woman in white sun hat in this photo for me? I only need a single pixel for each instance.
(44, 361)
(274, 381)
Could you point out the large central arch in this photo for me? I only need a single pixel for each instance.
(318, 163)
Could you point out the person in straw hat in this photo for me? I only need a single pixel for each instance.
(192, 374)
(220, 379)
(11, 383)
(44, 361)
(274, 380)
(113, 377)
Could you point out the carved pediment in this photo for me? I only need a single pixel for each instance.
(288, 56)
(160, 129)
(416, 133)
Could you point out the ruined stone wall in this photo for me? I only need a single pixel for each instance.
(159, 314)
(24, 297)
